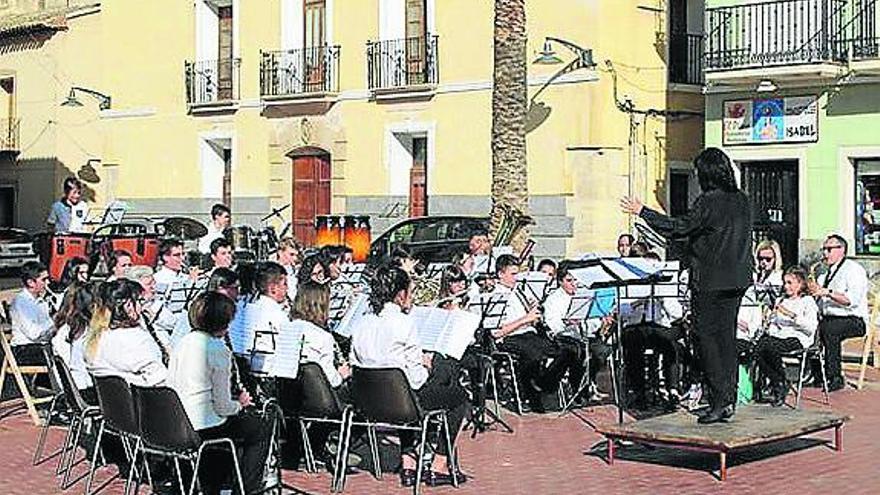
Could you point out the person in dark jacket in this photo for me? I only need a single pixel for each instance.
(717, 229)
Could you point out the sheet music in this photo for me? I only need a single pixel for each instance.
(242, 330)
(288, 351)
(359, 306)
(603, 303)
(534, 285)
(435, 270)
(447, 332)
(352, 274)
(579, 307)
(490, 307)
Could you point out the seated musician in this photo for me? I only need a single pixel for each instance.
(201, 374)
(118, 262)
(571, 334)
(221, 217)
(519, 337)
(72, 321)
(271, 312)
(792, 326)
(478, 245)
(289, 256)
(624, 245)
(158, 320)
(311, 310)
(387, 338)
(29, 311)
(547, 266)
(335, 257)
(313, 268)
(766, 287)
(221, 253)
(842, 295)
(171, 272)
(650, 323)
(68, 214)
(76, 269)
(116, 344)
(222, 280)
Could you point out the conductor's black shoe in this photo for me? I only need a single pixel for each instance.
(407, 478)
(716, 415)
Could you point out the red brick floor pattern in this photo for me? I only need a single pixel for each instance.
(550, 455)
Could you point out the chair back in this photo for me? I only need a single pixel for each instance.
(163, 420)
(116, 403)
(68, 386)
(49, 357)
(310, 394)
(384, 395)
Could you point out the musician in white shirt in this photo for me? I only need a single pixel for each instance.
(387, 338)
(289, 256)
(763, 293)
(32, 324)
(222, 280)
(842, 295)
(221, 217)
(201, 374)
(311, 309)
(116, 344)
(171, 253)
(265, 317)
(72, 321)
(792, 326)
(158, 320)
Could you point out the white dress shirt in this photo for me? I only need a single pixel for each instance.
(515, 310)
(130, 353)
(556, 308)
(201, 372)
(181, 330)
(802, 326)
(389, 340)
(73, 354)
(852, 281)
(166, 278)
(31, 323)
(320, 348)
(254, 328)
(206, 240)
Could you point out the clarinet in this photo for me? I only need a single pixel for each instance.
(148, 323)
(237, 385)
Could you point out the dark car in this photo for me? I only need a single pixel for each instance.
(435, 239)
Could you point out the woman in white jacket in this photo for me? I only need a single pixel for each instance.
(792, 326)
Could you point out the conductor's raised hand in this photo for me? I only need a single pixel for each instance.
(633, 206)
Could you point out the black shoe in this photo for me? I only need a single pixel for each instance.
(717, 415)
(779, 397)
(443, 479)
(536, 405)
(835, 385)
(407, 477)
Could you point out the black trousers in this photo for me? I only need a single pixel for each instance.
(531, 350)
(768, 355)
(599, 352)
(443, 390)
(833, 330)
(574, 352)
(251, 435)
(29, 355)
(714, 314)
(664, 341)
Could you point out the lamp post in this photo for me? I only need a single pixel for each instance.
(72, 101)
(547, 56)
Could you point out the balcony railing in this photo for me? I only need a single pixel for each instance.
(863, 29)
(9, 130)
(686, 58)
(299, 72)
(402, 63)
(779, 32)
(212, 81)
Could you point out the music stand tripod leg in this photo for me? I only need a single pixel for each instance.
(585, 382)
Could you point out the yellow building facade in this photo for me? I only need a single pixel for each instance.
(380, 107)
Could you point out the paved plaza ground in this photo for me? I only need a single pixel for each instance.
(550, 455)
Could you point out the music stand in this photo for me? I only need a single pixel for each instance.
(491, 308)
(579, 310)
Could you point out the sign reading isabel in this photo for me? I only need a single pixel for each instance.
(772, 120)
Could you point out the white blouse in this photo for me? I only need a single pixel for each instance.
(200, 372)
(130, 353)
(802, 326)
(73, 354)
(389, 340)
(319, 347)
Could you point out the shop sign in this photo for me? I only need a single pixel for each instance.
(771, 120)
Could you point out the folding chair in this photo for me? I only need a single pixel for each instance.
(10, 366)
(802, 356)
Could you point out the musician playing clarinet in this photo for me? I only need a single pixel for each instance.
(718, 229)
(201, 374)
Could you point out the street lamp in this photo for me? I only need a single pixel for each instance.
(72, 101)
(547, 56)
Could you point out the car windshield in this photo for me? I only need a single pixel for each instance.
(433, 231)
(14, 236)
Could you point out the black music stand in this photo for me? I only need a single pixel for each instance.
(491, 308)
(579, 311)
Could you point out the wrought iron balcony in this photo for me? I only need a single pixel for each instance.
(299, 72)
(402, 63)
(781, 32)
(686, 58)
(210, 82)
(9, 131)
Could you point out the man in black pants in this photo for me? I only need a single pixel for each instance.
(718, 231)
(842, 295)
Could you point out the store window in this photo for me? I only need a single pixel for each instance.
(867, 206)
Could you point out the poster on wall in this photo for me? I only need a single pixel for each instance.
(771, 120)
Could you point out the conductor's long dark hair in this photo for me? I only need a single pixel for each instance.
(714, 171)
(385, 285)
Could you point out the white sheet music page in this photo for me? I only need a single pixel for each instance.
(243, 327)
(358, 307)
(288, 350)
(448, 332)
(534, 285)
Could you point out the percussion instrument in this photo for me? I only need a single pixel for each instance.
(183, 228)
(328, 230)
(356, 235)
(143, 248)
(55, 249)
(245, 242)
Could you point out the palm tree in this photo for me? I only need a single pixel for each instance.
(509, 105)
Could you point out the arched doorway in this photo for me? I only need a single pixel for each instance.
(311, 191)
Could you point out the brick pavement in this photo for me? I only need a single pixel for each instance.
(551, 455)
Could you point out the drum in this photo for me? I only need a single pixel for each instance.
(55, 249)
(357, 236)
(242, 238)
(143, 248)
(328, 230)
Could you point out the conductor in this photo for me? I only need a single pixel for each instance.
(717, 229)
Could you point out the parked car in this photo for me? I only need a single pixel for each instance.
(16, 248)
(432, 239)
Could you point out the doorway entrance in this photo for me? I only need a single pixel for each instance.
(311, 192)
(772, 187)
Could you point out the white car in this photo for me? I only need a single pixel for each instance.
(16, 248)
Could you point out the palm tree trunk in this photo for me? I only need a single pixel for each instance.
(509, 102)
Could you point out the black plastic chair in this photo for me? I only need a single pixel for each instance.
(167, 431)
(118, 418)
(310, 399)
(80, 412)
(383, 397)
(815, 351)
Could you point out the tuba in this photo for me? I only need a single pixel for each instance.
(511, 223)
